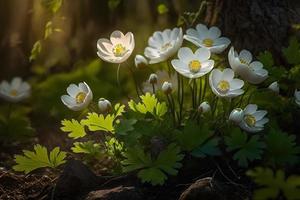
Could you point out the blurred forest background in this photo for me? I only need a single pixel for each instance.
(81, 23)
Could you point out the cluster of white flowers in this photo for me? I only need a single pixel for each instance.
(162, 46)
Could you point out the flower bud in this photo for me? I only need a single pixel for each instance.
(153, 78)
(236, 115)
(167, 87)
(204, 107)
(140, 62)
(104, 105)
(274, 87)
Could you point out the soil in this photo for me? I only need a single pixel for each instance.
(78, 182)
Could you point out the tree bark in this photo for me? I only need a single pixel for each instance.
(255, 25)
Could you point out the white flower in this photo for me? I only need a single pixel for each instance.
(15, 91)
(117, 49)
(236, 115)
(78, 97)
(274, 87)
(204, 107)
(167, 87)
(162, 76)
(297, 97)
(242, 64)
(253, 120)
(163, 45)
(209, 38)
(223, 84)
(140, 62)
(193, 65)
(104, 105)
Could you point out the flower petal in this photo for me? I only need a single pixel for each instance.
(202, 54)
(228, 74)
(16, 83)
(116, 37)
(214, 32)
(250, 109)
(246, 56)
(185, 54)
(259, 114)
(73, 90)
(236, 84)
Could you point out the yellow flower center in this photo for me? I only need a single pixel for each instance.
(223, 86)
(119, 50)
(194, 66)
(208, 42)
(250, 120)
(80, 97)
(166, 46)
(244, 61)
(13, 93)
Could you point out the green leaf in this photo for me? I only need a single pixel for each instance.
(281, 147)
(89, 147)
(97, 122)
(247, 148)
(119, 110)
(76, 130)
(48, 30)
(292, 52)
(210, 148)
(113, 4)
(36, 50)
(153, 176)
(125, 126)
(38, 159)
(198, 139)
(149, 104)
(273, 183)
(266, 59)
(153, 171)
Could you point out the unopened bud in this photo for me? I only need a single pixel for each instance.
(104, 105)
(167, 87)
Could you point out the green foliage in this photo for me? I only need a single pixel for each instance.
(266, 58)
(162, 9)
(292, 52)
(90, 147)
(273, 183)
(154, 171)
(14, 123)
(39, 158)
(125, 126)
(100, 122)
(36, 50)
(282, 148)
(76, 129)
(149, 104)
(198, 139)
(113, 147)
(247, 148)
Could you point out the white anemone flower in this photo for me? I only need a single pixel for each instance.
(117, 49)
(15, 91)
(253, 120)
(193, 65)
(297, 97)
(223, 83)
(209, 38)
(78, 98)
(163, 45)
(161, 77)
(242, 64)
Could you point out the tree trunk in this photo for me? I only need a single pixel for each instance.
(255, 25)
